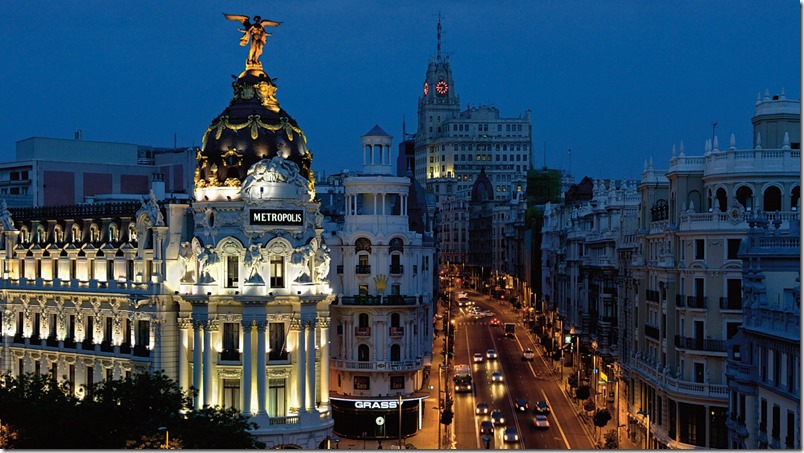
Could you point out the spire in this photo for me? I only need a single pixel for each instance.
(438, 45)
(674, 150)
(681, 153)
(732, 142)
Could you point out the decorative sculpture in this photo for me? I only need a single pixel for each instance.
(256, 32)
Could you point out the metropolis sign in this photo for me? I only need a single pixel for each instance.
(281, 217)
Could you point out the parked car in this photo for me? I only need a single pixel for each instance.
(497, 417)
(527, 354)
(541, 421)
(510, 435)
(541, 407)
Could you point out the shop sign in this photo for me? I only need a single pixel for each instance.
(376, 404)
(279, 217)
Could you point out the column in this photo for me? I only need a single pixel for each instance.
(198, 346)
(261, 400)
(184, 325)
(324, 390)
(300, 365)
(310, 387)
(247, 378)
(208, 363)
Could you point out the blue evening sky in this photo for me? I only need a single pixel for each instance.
(616, 81)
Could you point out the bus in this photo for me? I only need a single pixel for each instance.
(509, 329)
(462, 378)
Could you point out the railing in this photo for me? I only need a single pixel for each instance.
(731, 303)
(696, 301)
(652, 331)
(230, 355)
(396, 331)
(396, 269)
(680, 386)
(362, 331)
(363, 269)
(401, 365)
(701, 344)
(378, 300)
(290, 420)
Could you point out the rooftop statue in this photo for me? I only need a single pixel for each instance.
(256, 32)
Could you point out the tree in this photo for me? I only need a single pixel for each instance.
(572, 380)
(611, 441)
(601, 418)
(582, 392)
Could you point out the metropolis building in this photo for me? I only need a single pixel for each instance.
(229, 294)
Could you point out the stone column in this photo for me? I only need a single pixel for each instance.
(247, 379)
(324, 390)
(300, 363)
(310, 379)
(184, 325)
(261, 394)
(198, 346)
(208, 362)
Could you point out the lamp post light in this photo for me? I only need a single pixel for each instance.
(647, 428)
(167, 436)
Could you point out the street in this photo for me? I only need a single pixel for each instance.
(531, 380)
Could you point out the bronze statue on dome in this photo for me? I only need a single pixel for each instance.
(256, 32)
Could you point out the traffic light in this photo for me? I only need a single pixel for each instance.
(446, 417)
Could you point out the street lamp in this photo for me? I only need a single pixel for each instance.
(167, 436)
(647, 437)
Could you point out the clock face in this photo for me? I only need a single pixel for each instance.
(442, 87)
(426, 88)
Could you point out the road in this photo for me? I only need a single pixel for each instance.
(530, 380)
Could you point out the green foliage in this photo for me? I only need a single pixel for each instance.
(572, 380)
(582, 392)
(610, 440)
(129, 413)
(601, 418)
(446, 417)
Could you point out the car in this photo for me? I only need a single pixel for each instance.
(521, 405)
(541, 407)
(510, 435)
(495, 322)
(486, 427)
(486, 313)
(541, 421)
(482, 409)
(477, 357)
(497, 417)
(527, 354)
(491, 354)
(496, 377)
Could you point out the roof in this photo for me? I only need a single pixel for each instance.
(376, 131)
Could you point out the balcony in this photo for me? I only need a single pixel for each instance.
(651, 331)
(696, 301)
(701, 344)
(731, 303)
(379, 300)
(363, 269)
(400, 365)
(396, 269)
(362, 331)
(396, 331)
(652, 295)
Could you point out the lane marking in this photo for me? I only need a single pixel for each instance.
(566, 442)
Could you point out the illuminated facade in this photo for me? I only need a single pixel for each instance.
(228, 293)
(382, 271)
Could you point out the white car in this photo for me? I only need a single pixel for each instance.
(491, 354)
(527, 354)
(541, 421)
(478, 357)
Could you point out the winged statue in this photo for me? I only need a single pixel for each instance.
(256, 32)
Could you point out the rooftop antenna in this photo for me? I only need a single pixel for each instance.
(569, 153)
(438, 47)
(545, 154)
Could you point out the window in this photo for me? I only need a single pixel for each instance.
(362, 383)
(231, 341)
(396, 353)
(397, 382)
(276, 397)
(276, 341)
(231, 393)
(363, 353)
(699, 249)
(109, 270)
(733, 247)
(232, 271)
(277, 271)
(763, 416)
(143, 333)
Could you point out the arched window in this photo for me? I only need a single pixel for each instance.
(76, 234)
(113, 232)
(132, 232)
(58, 234)
(396, 353)
(396, 245)
(363, 353)
(25, 236)
(41, 234)
(94, 233)
(694, 201)
(745, 196)
(394, 319)
(362, 244)
(772, 199)
(722, 199)
(362, 320)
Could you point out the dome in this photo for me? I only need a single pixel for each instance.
(252, 128)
